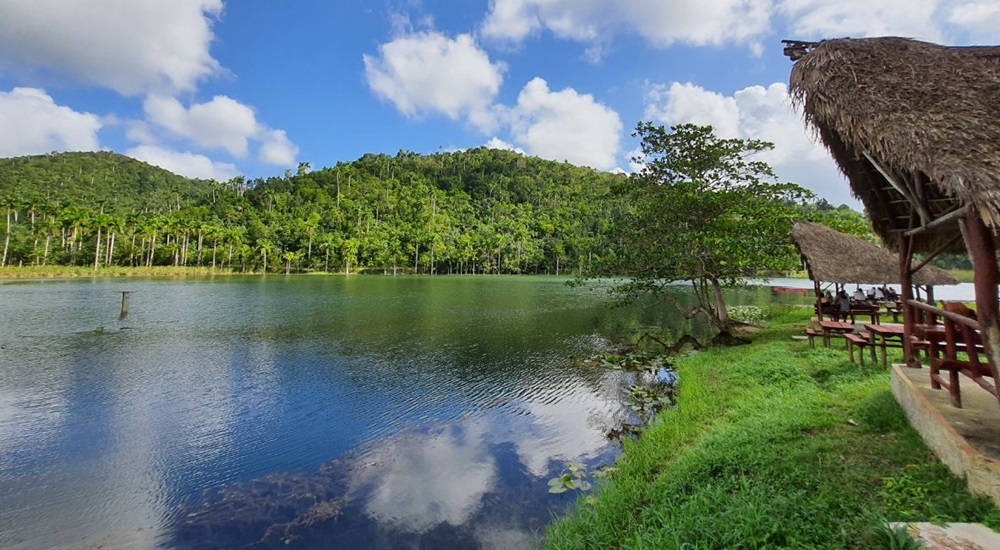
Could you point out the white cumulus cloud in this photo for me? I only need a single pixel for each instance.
(708, 22)
(187, 164)
(756, 112)
(429, 73)
(980, 19)
(565, 125)
(861, 18)
(743, 22)
(497, 143)
(277, 149)
(221, 123)
(131, 46)
(942, 21)
(32, 123)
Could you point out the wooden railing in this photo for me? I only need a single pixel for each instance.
(955, 345)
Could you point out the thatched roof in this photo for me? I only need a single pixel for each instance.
(928, 114)
(833, 257)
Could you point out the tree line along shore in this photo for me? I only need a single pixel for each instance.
(474, 211)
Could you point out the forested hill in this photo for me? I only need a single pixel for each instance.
(117, 182)
(479, 210)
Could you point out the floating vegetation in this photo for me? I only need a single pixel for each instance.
(575, 476)
(650, 387)
(647, 400)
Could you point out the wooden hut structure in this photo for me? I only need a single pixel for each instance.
(915, 127)
(833, 257)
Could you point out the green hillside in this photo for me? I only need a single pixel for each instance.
(119, 183)
(479, 210)
(474, 211)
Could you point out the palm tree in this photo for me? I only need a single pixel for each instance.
(288, 257)
(10, 203)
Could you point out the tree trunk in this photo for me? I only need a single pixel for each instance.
(97, 251)
(111, 250)
(6, 240)
(725, 324)
(152, 248)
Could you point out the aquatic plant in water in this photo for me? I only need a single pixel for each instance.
(575, 476)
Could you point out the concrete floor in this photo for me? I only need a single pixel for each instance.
(978, 421)
(966, 440)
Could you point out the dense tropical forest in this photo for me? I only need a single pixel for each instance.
(474, 211)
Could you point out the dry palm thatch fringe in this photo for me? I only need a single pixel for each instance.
(833, 257)
(930, 116)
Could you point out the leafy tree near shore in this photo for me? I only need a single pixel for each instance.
(704, 211)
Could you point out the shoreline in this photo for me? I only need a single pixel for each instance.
(773, 444)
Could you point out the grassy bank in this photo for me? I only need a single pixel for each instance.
(772, 445)
(60, 272)
(963, 275)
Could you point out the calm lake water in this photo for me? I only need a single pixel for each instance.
(311, 412)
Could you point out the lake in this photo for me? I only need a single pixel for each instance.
(313, 411)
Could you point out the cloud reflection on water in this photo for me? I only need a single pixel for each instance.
(416, 480)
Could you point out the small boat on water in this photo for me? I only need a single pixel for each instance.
(790, 290)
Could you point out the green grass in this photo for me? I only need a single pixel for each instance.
(57, 271)
(772, 445)
(963, 275)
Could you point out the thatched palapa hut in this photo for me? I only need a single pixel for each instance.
(916, 129)
(833, 257)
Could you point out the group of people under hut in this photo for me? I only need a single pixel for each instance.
(838, 307)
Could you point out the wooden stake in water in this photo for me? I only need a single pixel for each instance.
(125, 295)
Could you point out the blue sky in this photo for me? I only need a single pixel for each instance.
(214, 88)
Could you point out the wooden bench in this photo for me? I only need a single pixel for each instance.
(811, 335)
(873, 312)
(859, 340)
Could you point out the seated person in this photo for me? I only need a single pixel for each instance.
(871, 294)
(843, 306)
(826, 303)
(859, 295)
(891, 294)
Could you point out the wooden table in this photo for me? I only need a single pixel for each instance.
(832, 327)
(879, 335)
(894, 309)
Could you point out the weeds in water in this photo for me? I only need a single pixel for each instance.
(646, 401)
(575, 476)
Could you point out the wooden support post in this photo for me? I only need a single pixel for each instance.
(986, 275)
(125, 296)
(906, 293)
(819, 300)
